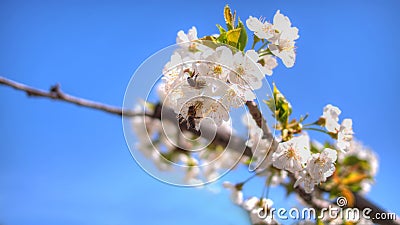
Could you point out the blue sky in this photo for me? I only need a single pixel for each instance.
(61, 164)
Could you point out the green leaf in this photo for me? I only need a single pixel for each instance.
(242, 42)
(351, 160)
(283, 109)
(271, 104)
(280, 107)
(334, 192)
(356, 187)
(232, 36)
(221, 29)
(229, 18)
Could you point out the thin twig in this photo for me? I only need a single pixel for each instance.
(56, 94)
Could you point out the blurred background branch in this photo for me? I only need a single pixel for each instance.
(221, 138)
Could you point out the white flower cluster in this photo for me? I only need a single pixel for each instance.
(319, 167)
(262, 157)
(343, 131)
(295, 157)
(167, 147)
(204, 79)
(280, 35)
(209, 81)
(254, 206)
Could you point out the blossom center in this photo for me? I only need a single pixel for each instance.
(285, 45)
(240, 70)
(291, 153)
(217, 70)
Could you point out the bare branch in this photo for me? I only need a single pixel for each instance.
(258, 117)
(262, 123)
(55, 93)
(221, 138)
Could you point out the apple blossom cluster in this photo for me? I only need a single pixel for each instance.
(280, 35)
(166, 146)
(343, 132)
(211, 81)
(205, 78)
(209, 76)
(295, 156)
(262, 155)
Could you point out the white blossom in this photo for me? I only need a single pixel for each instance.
(146, 129)
(261, 29)
(306, 181)
(268, 64)
(218, 161)
(331, 115)
(216, 111)
(245, 71)
(236, 96)
(236, 192)
(190, 36)
(256, 209)
(226, 80)
(283, 41)
(365, 186)
(345, 135)
(321, 165)
(293, 154)
(187, 40)
(192, 169)
(283, 27)
(216, 63)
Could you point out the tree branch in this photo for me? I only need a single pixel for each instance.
(258, 117)
(221, 138)
(262, 123)
(55, 93)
